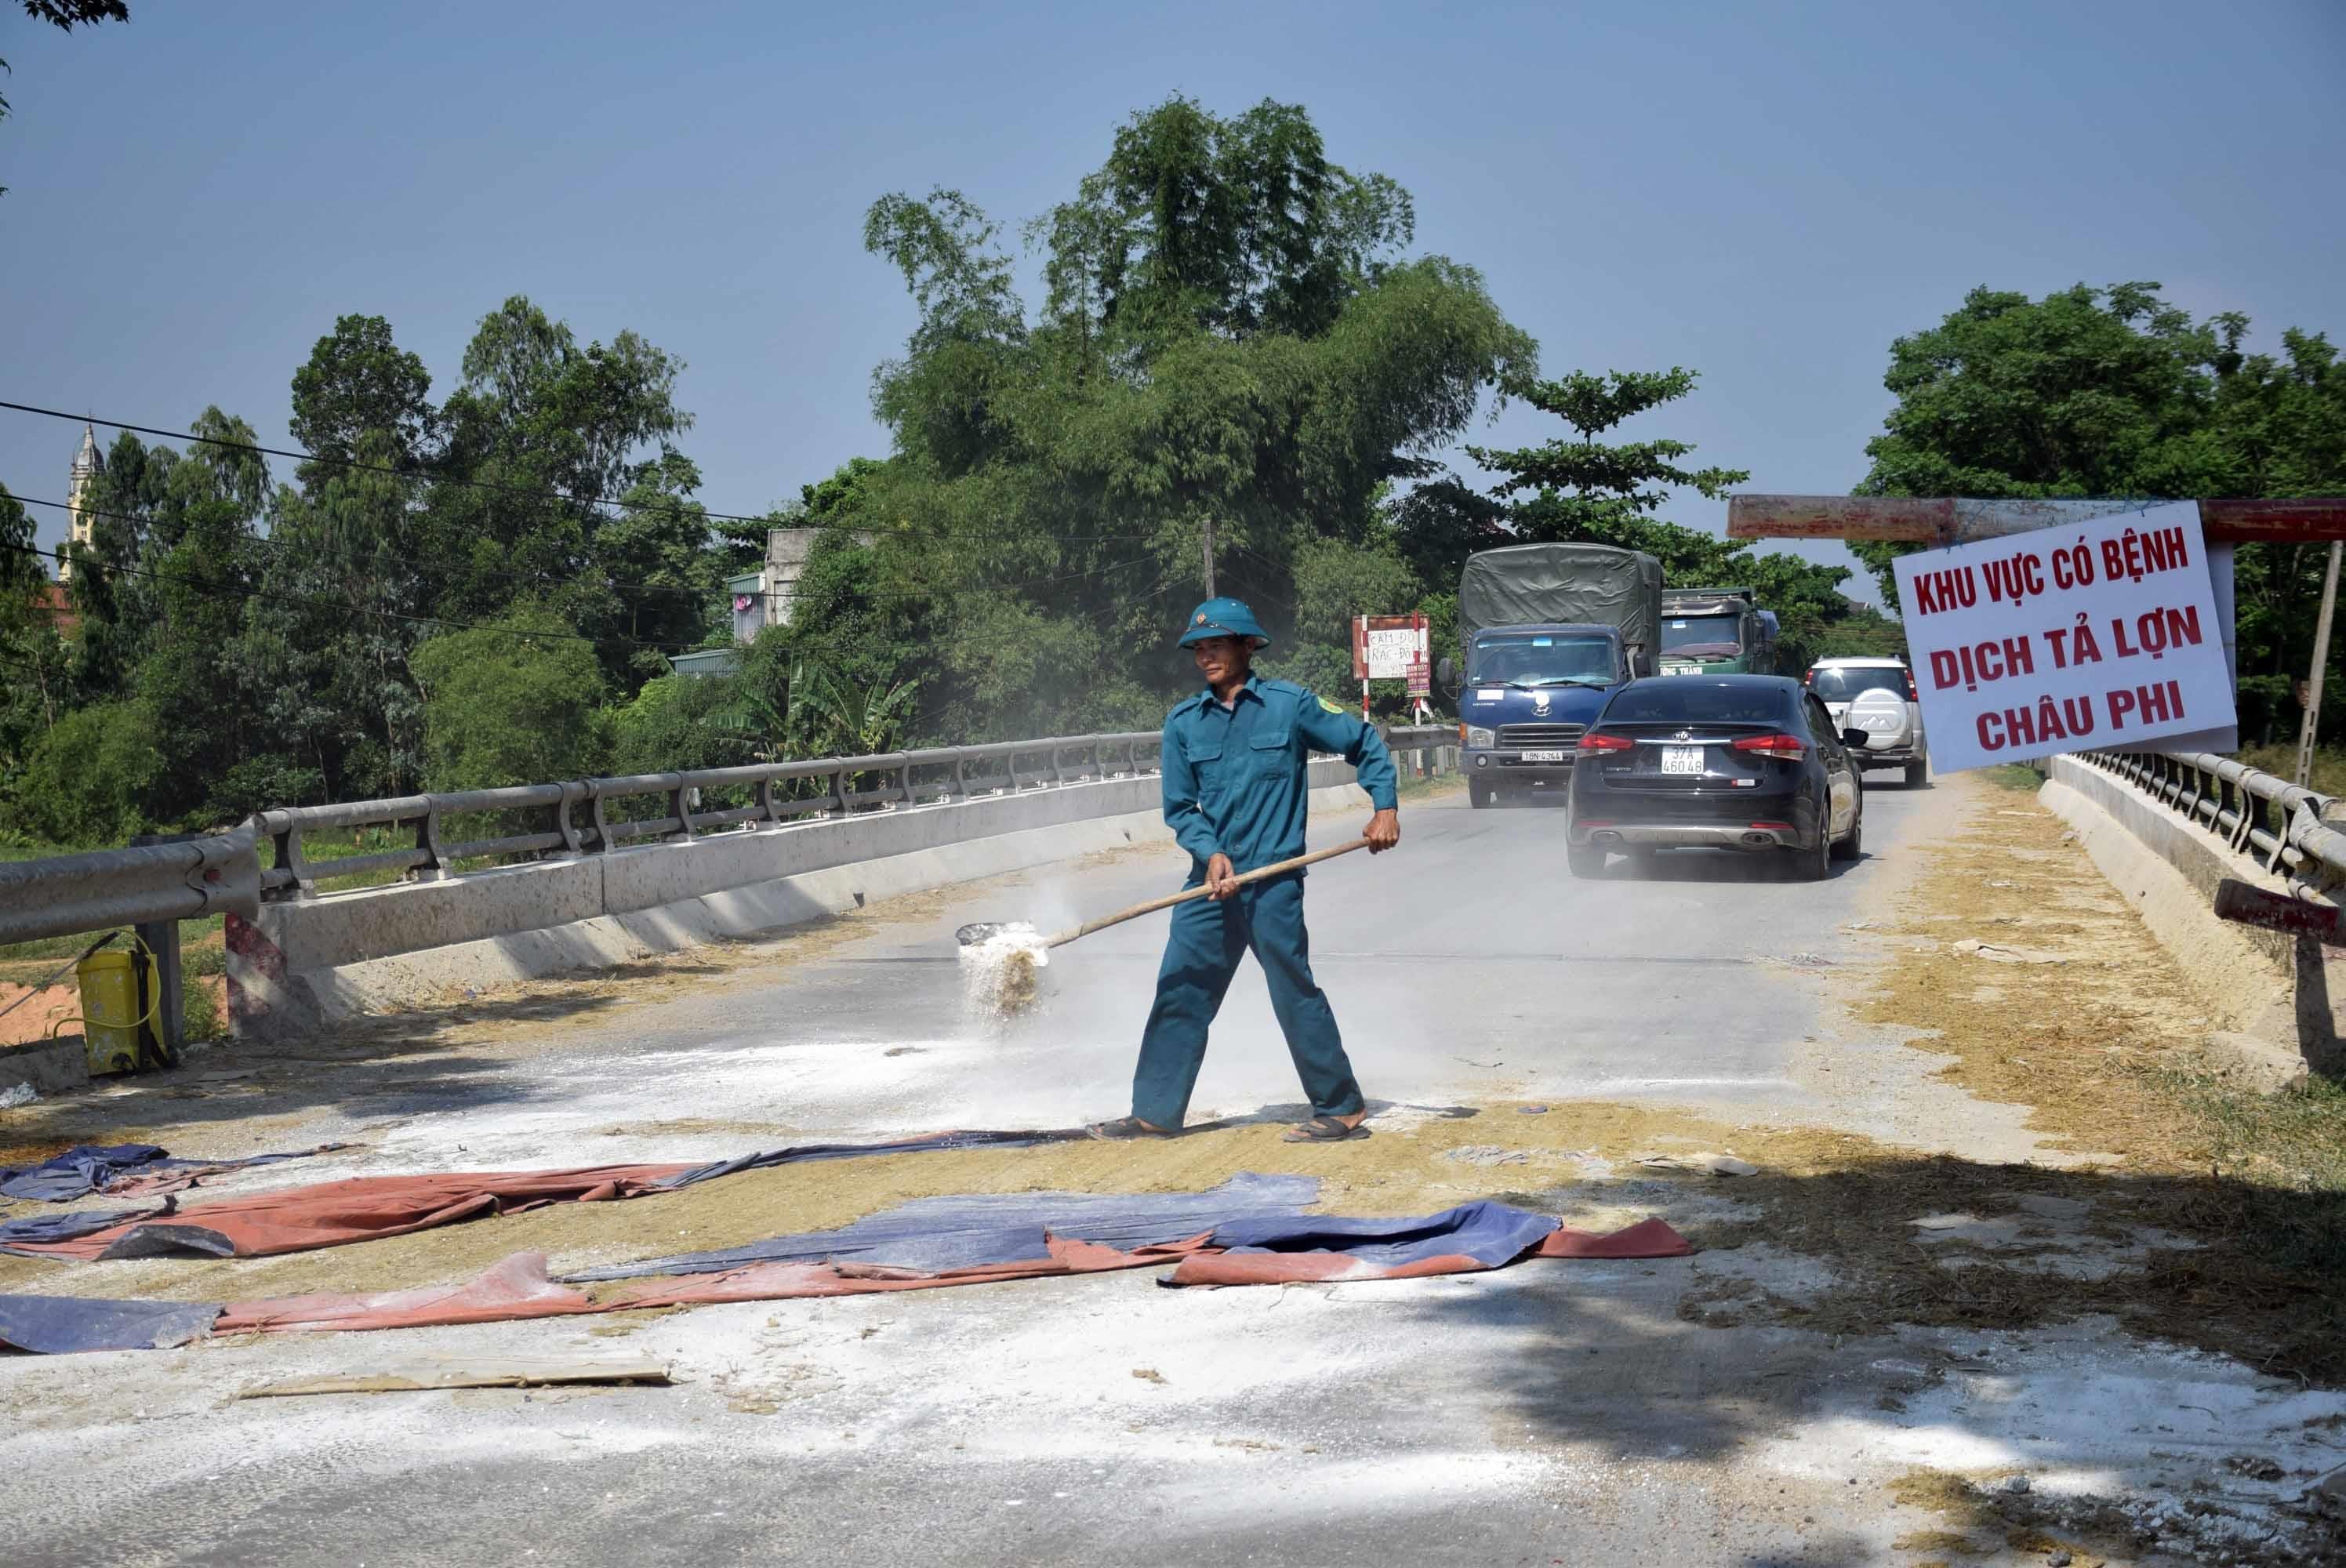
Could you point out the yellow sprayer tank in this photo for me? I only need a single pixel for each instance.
(109, 1012)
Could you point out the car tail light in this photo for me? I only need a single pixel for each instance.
(1776, 827)
(1911, 695)
(1810, 678)
(1789, 748)
(1592, 741)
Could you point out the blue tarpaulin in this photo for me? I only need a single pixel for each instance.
(45, 1227)
(79, 1171)
(938, 1234)
(1492, 1234)
(57, 1325)
(926, 1143)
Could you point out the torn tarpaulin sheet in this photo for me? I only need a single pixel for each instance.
(520, 1287)
(83, 1169)
(57, 1325)
(937, 1234)
(937, 1242)
(329, 1214)
(926, 1143)
(47, 1227)
(361, 1208)
(1462, 1240)
(124, 1168)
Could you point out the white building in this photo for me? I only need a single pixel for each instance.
(87, 464)
(759, 599)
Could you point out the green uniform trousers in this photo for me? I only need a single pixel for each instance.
(1201, 955)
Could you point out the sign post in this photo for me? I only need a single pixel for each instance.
(1392, 647)
(2104, 632)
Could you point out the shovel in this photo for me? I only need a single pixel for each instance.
(982, 931)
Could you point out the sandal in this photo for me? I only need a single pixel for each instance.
(1125, 1128)
(1322, 1130)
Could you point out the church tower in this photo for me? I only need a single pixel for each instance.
(87, 465)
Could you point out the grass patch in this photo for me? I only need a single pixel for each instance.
(199, 1015)
(2018, 777)
(1411, 788)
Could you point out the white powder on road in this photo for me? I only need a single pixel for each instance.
(1000, 976)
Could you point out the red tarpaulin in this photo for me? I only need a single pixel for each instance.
(520, 1286)
(362, 1208)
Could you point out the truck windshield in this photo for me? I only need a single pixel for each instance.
(1702, 634)
(1538, 658)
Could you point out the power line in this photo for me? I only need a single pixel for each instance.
(535, 494)
(1271, 567)
(450, 569)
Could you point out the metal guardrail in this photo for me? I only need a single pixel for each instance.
(2288, 829)
(65, 895)
(578, 819)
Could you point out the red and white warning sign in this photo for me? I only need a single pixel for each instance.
(1392, 647)
(2102, 634)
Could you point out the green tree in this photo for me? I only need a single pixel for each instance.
(1230, 335)
(33, 685)
(360, 388)
(515, 702)
(539, 445)
(1585, 488)
(85, 784)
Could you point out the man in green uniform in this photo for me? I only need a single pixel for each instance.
(1233, 762)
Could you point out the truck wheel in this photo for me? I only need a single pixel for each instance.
(1917, 775)
(1476, 795)
(1585, 859)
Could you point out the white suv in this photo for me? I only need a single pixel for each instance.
(1876, 695)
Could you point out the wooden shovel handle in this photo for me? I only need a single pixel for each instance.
(1167, 903)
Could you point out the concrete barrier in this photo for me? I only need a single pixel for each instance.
(302, 963)
(2280, 1001)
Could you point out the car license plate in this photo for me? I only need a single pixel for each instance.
(1542, 756)
(1681, 759)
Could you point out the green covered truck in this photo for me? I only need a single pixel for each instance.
(1717, 631)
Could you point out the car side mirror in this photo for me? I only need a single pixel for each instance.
(1446, 671)
(1855, 740)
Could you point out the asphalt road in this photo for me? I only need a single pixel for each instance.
(1544, 1414)
(1467, 963)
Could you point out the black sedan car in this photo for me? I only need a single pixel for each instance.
(1733, 761)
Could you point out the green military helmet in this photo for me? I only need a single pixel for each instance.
(1224, 617)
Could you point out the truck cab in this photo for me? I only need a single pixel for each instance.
(1528, 692)
(1717, 631)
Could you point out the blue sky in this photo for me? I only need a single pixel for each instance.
(1768, 194)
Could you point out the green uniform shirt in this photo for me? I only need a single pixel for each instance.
(1235, 779)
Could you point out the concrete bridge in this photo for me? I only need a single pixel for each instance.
(1603, 1050)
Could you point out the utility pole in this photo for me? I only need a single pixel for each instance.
(1210, 564)
(2312, 723)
